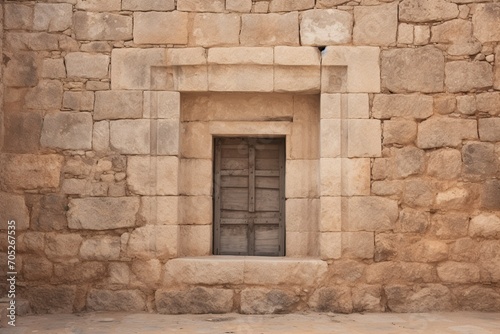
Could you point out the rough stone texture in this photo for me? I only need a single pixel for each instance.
(153, 175)
(61, 247)
(488, 129)
(365, 138)
(444, 163)
(22, 132)
(160, 5)
(358, 245)
(74, 272)
(270, 29)
(85, 65)
(98, 6)
(102, 26)
(369, 213)
(413, 70)
(485, 225)
(20, 70)
(458, 35)
(490, 195)
(486, 20)
(239, 6)
(78, 100)
(400, 132)
(413, 106)
(479, 298)
(439, 132)
(488, 103)
(375, 25)
(463, 76)
(152, 241)
(116, 104)
(195, 300)
(479, 160)
(326, 27)
(201, 5)
(130, 136)
(427, 10)
(497, 69)
(13, 207)
(47, 95)
(160, 28)
(67, 130)
(100, 248)
(211, 29)
(119, 300)
(267, 301)
(332, 299)
(402, 298)
(53, 69)
(52, 17)
(102, 213)
(52, 299)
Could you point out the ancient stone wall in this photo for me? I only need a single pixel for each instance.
(391, 113)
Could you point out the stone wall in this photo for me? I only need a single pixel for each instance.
(391, 113)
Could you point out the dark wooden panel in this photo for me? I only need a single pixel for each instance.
(267, 200)
(234, 199)
(234, 181)
(266, 240)
(267, 154)
(249, 215)
(267, 164)
(235, 221)
(234, 163)
(266, 221)
(233, 239)
(237, 152)
(267, 182)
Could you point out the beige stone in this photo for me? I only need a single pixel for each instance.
(304, 136)
(119, 273)
(331, 299)
(485, 225)
(301, 244)
(100, 136)
(240, 6)
(71, 272)
(358, 245)
(367, 298)
(297, 79)
(330, 106)
(387, 188)
(62, 247)
(375, 25)
(489, 129)
(102, 26)
(479, 160)
(405, 106)
(130, 136)
(18, 72)
(402, 298)
(52, 299)
(330, 214)
(146, 272)
(203, 213)
(419, 192)
(355, 177)
(325, 27)
(196, 140)
(413, 70)
(330, 177)
(456, 272)
(167, 141)
(260, 7)
(405, 33)
(153, 175)
(240, 78)
(116, 104)
(53, 68)
(47, 95)
(408, 161)
(37, 268)
(153, 241)
(196, 177)
(422, 35)
(195, 240)
(402, 132)
(98, 6)
(52, 17)
(214, 29)
(159, 210)
(449, 226)
(100, 248)
(496, 83)
(358, 105)
(489, 102)
(288, 6)
(160, 28)
(210, 271)
(414, 220)
(85, 65)
(67, 131)
(479, 298)
(440, 131)
(194, 300)
(445, 104)
(330, 138)
(365, 138)
(330, 245)
(427, 251)
(458, 35)
(301, 214)
(78, 100)
(464, 250)
(466, 104)
(18, 16)
(427, 10)
(241, 55)
(290, 55)
(148, 5)
(164, 105)
(116, 300)
(369, 213)
(200, 5)
(489, 260)
(486, 21)
(463, 76)
(444, 164)
(267, 301)
(271, 29)
(13, 208)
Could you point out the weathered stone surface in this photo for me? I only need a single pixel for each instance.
(67, 130)
(199, 271)
(497, 70)
(52, 17)
(444, 104)
(464, 250)
(435, 297)
(486, 20)
(159, 210)
(369, 213)
(330, 182)
(414, 220)
(102, 26)
(408, 161)
(444, 163)
(153, 175)
(413, 70)
(490, 195)
(164, 105)
(427, 10)
(21, 70)
(267, 301)
(478, 298)
(196, 177)
(118, 300)
(419, 192)
(52, 299)
(449, 226)
(375, 25)
(289, 6)
(270, 29)
(153, 241)
(402, 132)
(130, 136)
(85, 65)
(47, 95)
(330, 245)
(406, 106)
(119, 273)
(240, 78)
(297, 79)
(78, 272)
(389, 271)
(365, 138)
(201, 5)
(50, 214)
(53, 68)
(489, 102)
(22, 132)
(325, 27)
(139, 5)
(146, 272)
(62, 247)
(479, 160)
(100, 248)
(195, 240)
(355, 177)
(29, 171)
(102, 213)
(18, 16)
(489, 129)
(458, 35)
(358, 245)
(100, 136)
(195, 300)
(78, 100)
(426, 251)
(116, 104)
(439, 132)
(14, 208)
(485, 225)
(332, 299)
(489, 260)
(98, 6)
(241, 6)
(37, 268)
(212, 29)
(367, 298)
(160, 27)
(464, 76)
(466, 104)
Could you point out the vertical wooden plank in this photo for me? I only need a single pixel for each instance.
(217, 196)
(282, 199)
(251, 237)
(251, 177)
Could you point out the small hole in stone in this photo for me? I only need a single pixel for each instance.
(321, 48)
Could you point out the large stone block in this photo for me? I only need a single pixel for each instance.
(52, 17)
(369, 213)
(213, 29)
(22, 132)
(367, 298)
(203, 213)
(289, 6)
(302, 214)
(78, 100)
(488, 129)
(490, 195)
(18, 16)
(402, 132)
(330, 177)
(240, 78)
(267, 301)
(240, 6)
(450, 225)
(355, 177)
(486, 20)
(98, 6)
(195, 300)
(21, 70)
(413, 70)
(62, 247)
(270, 29)
(302, 179)
(195, 271)
(102, 26)
(148, 5)
(67, 130)
(489, 102)
(331, 106)
(330, 138)
(195, 240)
(85, 65)
(146, 272)
(53, 68)
(426, 251)
(241, 55)
(365, 138)
(52, 299)
(485, 225)
(456, 272)
(116, 300)
(116, 104)
(297, 79)
(479, 298)
(100, 136)
(103, 248)
(159, 210)
(102, 213)
(29, 171)
(427, 10)
(444, 164)
(196, 140)
(408, 161)
(37, 268)
(413, 106)
(152, 242)
(201, 5)
(332, 299)
(479, 160)
(153, 175)
(330, 245)
(46, 96)
(13, 208)
(431, 297)
(375, 25)
(457, 34)
(325, 27)
(78, 272)
(160, 28)
(330, 214)
(164, 105)
(442, 131)
(196, 177)
(359, 245)
(464, 76)
(497, 70)
(130, 136)
(489, 260)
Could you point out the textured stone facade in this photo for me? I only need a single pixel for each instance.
(391, 114)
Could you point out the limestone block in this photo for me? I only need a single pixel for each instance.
(196, 177)
(427, 10)
(367, 298)
(186, 56)
(100, 136)
(355, 177)
(458, 35)
(479, 298)
(74, 186)
(19, 71)
(85, 65)
(405, 33)
(369, 213)
(297, 79)
(292, 55)
(240, 6)
(260, 7)
(486, 21)
(240, 78)
(419, 192)
(466, 104)
(52, 299)
(160, 27)
(405, 106)
(30, 171)
(402, 132)
(363, 66)
(119, 273)
(496, 84)
(146, 272)
(214, 29)
(302, 179)
(13, 207)
(167, 141)
(52, 17)
(190, 79)
(78, 100)
(270, 29)
(330, 138)
(422, 35)
(130, 136)
(441, 131)
(463, 76)
(301, 244)
(159, 210)
(444, 164)
(249, 128)
(116, 300)
(358, 245)
(330, 176)
(430, 297)
(302, 214)
(18, 16)
(330, 106)
(413, 70)
(153, 175)
(365, 138)
(375, 25)
(358, 106)
(325, 27)
(464, 250)
(92, 26)
(195, 240)
(204, 271)
(485, 225)
(198, 300)
(331, 299)
(479, 160)
(489, 102)
(330, 245)
(196, 140)
(456, 272)
(106, 213)
(22, 132)
(200, 5)
(98, 6)
(37, 268)
(445, 104)
(148, 5)
(62, 247)
(53, 68)
(67, 130)
(100, 248)
(408, 161)
(427, 251)
(489, 129)
(203, 213)
(47, 95)
(164, 105)
(305, 128)
(449, 225)
(153, 241)
(388, 271)
(289, 6)
(267, 301)
(330, 214)
(489, 260)
(78, 272)
(387, 188)
(116, 104)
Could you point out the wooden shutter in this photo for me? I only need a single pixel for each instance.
(249, 196)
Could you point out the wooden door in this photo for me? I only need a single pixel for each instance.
(249, 196)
